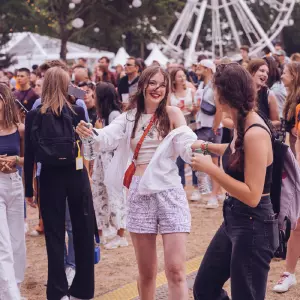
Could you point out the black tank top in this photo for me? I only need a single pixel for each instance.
(239, 175)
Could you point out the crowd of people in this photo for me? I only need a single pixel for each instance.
(103, 151)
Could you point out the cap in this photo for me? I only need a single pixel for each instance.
(280, 53)
(207, 63)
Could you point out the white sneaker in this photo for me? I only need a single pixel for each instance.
(65, 298)
(212, 203)
(196, 196)
(123, 242)
(74, 298)
(116, 243)
(286, 281)
(70, 273)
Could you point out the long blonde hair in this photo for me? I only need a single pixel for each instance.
(55, 91)
(11, 116)
(293, 97)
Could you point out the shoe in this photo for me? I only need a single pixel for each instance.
(35, 233)
(212, 203)
(196, 196)
(286, 281)
(103, 240)
(65, 298)
(70, 273)
(123, 242)
(26, 227)
(74, 298)
(116, 243)
(23, 298)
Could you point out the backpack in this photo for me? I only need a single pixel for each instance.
(53, 138)
(285, 189)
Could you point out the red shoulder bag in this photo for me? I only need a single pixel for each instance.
(131, 169)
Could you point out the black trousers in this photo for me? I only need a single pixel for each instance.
(242, 250)
(57, 185)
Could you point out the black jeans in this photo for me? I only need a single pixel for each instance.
(242, 250)
(57, 185)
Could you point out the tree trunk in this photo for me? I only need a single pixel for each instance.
(63, 47)
(142, 50)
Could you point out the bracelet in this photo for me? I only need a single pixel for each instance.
(17, 159)
(204, 148)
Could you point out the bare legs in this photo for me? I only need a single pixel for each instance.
(145, 250)
(293, 251)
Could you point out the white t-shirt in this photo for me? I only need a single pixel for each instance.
(207, 94)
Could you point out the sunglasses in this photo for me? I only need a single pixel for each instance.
(89, 84)
(129, 65)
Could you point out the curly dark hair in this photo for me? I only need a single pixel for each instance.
(138, 101)
(235, 88)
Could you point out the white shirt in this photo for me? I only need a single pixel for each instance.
(161, 173)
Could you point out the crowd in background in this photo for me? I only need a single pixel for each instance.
(107, 93)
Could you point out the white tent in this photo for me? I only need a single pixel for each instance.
(121, 57)
(156, 55)
(31, 48)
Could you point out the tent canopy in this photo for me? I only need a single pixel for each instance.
(31, 48)
(156, 55)
(121, 57)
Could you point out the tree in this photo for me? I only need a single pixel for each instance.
(15, 15)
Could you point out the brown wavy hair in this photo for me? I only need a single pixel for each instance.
(138, 101)
(11, 115)
(255, 64)
(235, 87)
(293, 97)
(173, 74)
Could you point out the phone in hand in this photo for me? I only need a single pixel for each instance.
(76, 92)
(21, 106)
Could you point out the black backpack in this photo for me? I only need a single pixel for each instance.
(54, 138)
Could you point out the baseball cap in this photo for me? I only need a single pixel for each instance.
(280, 53)
(209, 64)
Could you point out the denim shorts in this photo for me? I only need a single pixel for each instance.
(164, 212)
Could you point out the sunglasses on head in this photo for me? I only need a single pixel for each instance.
(89, 84)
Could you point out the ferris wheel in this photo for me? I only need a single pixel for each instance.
(215, 27)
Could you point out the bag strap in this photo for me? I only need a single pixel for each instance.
(258, 125)
(139, 145)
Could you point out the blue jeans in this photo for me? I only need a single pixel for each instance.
(69, 254)
(242, 250)
(181, 164)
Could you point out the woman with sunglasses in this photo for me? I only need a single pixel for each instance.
(244, 245)
(291, 112)
(12, 232)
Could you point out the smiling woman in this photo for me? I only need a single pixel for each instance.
(266, 100)
(157, 134)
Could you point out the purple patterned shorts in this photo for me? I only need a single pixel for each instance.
(164, 212)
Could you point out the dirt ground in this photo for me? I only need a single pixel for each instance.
(118, 267)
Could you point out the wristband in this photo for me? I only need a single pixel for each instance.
(17, 159)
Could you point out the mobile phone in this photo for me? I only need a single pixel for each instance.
(21, 106)
(76, 92)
